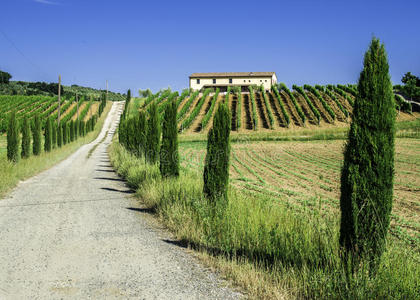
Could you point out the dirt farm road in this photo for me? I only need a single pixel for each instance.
(73, 232)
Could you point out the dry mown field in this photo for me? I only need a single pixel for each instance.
(306, 175)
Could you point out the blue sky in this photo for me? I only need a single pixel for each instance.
(156, 44)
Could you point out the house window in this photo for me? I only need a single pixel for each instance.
(249, 80)
(214, 81)
(260, 80)
(266, 80)
(244, 80)
(230, 80)
(198, 81)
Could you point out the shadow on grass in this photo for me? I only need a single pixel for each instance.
(108, 178)
(142, 210)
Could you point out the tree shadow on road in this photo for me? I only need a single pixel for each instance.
(119, 191)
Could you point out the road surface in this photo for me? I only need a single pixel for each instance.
(74, 232)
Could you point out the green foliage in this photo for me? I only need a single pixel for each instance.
(209, 113)
(162, 105)
(54, 135)
(145, 93)
(48, 136)
(169, 157)
(13, 139)
(342, 93)
(321, 99)
(295, 103)
(71, 126)
(36, 134)
(402, 105)
(333, 97)
(348, 89)
(254, 108)
(59, 136)
(26, 138)
(267, 105)
(141, 134)
(309, 102)
(188, 121)
(368, 170)
(64, 132)
(127, 104)
(185, 93)
(283, 109)
(238, 107)
(5, 77)
(216, 168)
(153, 134)
(187, 106)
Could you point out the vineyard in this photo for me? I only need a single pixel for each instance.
(306, 176)
(265, 111)
(45, 107)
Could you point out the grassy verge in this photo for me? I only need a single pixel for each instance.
(11, 173)
(266, 247)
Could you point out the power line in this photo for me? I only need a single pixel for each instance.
(39, 69)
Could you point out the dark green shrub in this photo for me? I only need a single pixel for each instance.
(26, 138)
(48, 136)
(368, 170)
(153, 134)
(216, 168)
(54, 135)
(71, 126)
(169, 157)
(59, 136)
(36, 134)
(13, 139)
(141, 134)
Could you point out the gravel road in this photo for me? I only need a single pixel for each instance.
(74, 232)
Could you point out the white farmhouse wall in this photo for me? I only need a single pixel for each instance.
(266, 81)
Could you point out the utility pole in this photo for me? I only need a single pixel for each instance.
(59, 98)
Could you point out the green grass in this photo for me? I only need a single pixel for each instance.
(273, 249)
(11, 173)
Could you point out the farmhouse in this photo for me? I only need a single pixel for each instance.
(199, 81)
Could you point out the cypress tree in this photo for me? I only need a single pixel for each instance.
(36, 134)
(368, 169)
(76, 129)
(169, 157)
(71, 125)
(216, 168)
(13, 139)
(121, 133)
(141, 134)
(54, 135)
(64, 132)
(59, 136)
(26, 138)
(131, 135)
(48, 136)
(153, 134)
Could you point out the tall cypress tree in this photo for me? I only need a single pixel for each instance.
(64, 132)
(59, 136)
(54, 134)
(13, 139)
(26, 138)
(153, 134)
(368, 170)
(216, 168)
(141, 134)
(36, 134)
(169, 157)
(48, 136)
(71, 125)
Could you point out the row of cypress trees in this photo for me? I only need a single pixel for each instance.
(156, 139)
(54, 135)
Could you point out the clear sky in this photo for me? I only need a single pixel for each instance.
(156, 44)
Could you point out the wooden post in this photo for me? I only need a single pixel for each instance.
(59, 98)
